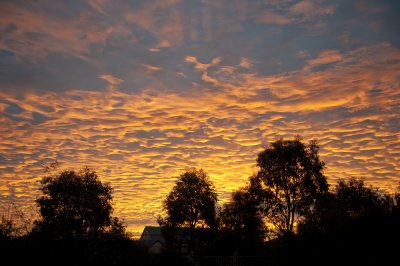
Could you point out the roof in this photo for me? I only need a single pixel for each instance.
(151, 235)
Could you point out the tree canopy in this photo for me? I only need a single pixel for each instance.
(353, 219)
(190, 205)
(76, 203)
(192, 201)
(289, 180)
(349, 202)
(241, 217)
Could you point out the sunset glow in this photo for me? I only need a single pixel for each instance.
(142, 90)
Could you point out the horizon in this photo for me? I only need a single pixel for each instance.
(141, 91)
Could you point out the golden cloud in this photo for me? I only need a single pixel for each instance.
(141, 141)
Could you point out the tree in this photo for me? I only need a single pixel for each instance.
(190, 204)
(288, 182)
(349, 201)
(241, 217)
(396, 202)
(76, 204)
(353, 219)
(354, 199)
(13, 222)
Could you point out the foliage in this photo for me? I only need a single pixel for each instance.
(354, 199)
(191, 204)
(353, 219)
(241, 217)
(76, 204)
(350, 201)
(13, 222)
(288, 182)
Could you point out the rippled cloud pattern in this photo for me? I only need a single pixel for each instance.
(141, 91)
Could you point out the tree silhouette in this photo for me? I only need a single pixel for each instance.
(241, 217)
(13, 222)
(353, 219)
(350, 201)
(354, 199)
(190, 204)
(288, 182)
(76, 204)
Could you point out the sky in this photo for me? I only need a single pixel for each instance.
(140, 91)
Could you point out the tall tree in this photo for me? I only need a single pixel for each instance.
(75, 204)
(289, 180)
(191, 203)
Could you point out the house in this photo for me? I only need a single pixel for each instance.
(153, 240)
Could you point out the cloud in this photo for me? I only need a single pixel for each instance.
(326, 57)
(309, 9)
(302, 54)
(369, 7)
(204, 68)
(97, 5)
(151, 68)
(161, 18)
(112, 80)
(162, 44)
(142, 90)
(37, 34)
(200, 66)
(140, 141)
(245, 62)
(286, 12)
(270, 17)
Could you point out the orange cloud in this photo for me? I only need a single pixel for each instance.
(170, 32)
(54, 34)
(151, 68)
(139, 141)
(111, 79)
(326, 57)
(245, 62)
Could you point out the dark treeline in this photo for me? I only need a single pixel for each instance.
(286, 214)
(76, 226)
